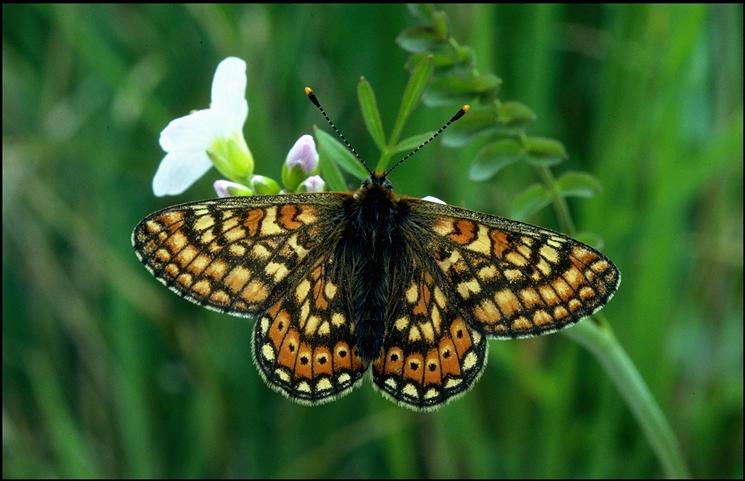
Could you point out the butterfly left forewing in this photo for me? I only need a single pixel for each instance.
(510, 279)
(238, 254)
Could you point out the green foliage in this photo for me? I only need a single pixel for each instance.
(105, 373)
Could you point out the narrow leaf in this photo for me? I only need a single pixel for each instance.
(412, 142)
(370, 112)
(493, 158)
(413, 92)
(331, 174)
(338, 153)
(530, 201)
(578, 184)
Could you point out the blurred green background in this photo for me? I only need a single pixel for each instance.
(106, 373)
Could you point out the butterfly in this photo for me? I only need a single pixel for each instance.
(341, 283)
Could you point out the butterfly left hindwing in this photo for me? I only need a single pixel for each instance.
(304, 344)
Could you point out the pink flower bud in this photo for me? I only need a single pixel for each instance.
(303, 154)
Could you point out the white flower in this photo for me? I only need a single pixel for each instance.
(214, 135)
(430, 198)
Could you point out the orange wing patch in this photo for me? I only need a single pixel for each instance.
(304, 344)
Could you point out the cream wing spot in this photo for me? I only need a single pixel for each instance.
(412, 293)
(277, 270)
(204, 222)
(330, 290)
(549, 253)
(268, 352)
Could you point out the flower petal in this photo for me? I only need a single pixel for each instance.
(434, 199)
(193, 132)
(229, 95)
(178, 170)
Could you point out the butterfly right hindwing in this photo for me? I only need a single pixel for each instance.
(430, 353)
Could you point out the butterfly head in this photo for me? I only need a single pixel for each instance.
(377, 179)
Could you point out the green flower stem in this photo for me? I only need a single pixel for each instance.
(598, 338)
(560, 204)
(600, 341)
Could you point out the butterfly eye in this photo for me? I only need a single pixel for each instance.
(366, 182)
(387, 184)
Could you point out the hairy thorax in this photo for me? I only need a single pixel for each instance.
(373, 234)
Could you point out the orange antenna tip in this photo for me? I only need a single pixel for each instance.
(460, 113)
(312, 97)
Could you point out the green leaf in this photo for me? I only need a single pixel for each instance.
(412, 142)
(591, 239)
(544, 152)
(493, 158)
(578, 184)
(453, 89)
(332, 175)
(422, 11)
(370, 112)
(330, 171)
(530, 201)
(413, 92)
(338, 153)
(418, 39)
(444, 55)
(515, 113)
(478, 121)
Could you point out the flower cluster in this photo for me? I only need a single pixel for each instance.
(214, 137)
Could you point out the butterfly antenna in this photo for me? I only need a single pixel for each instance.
(314, 99)
(455, 117)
